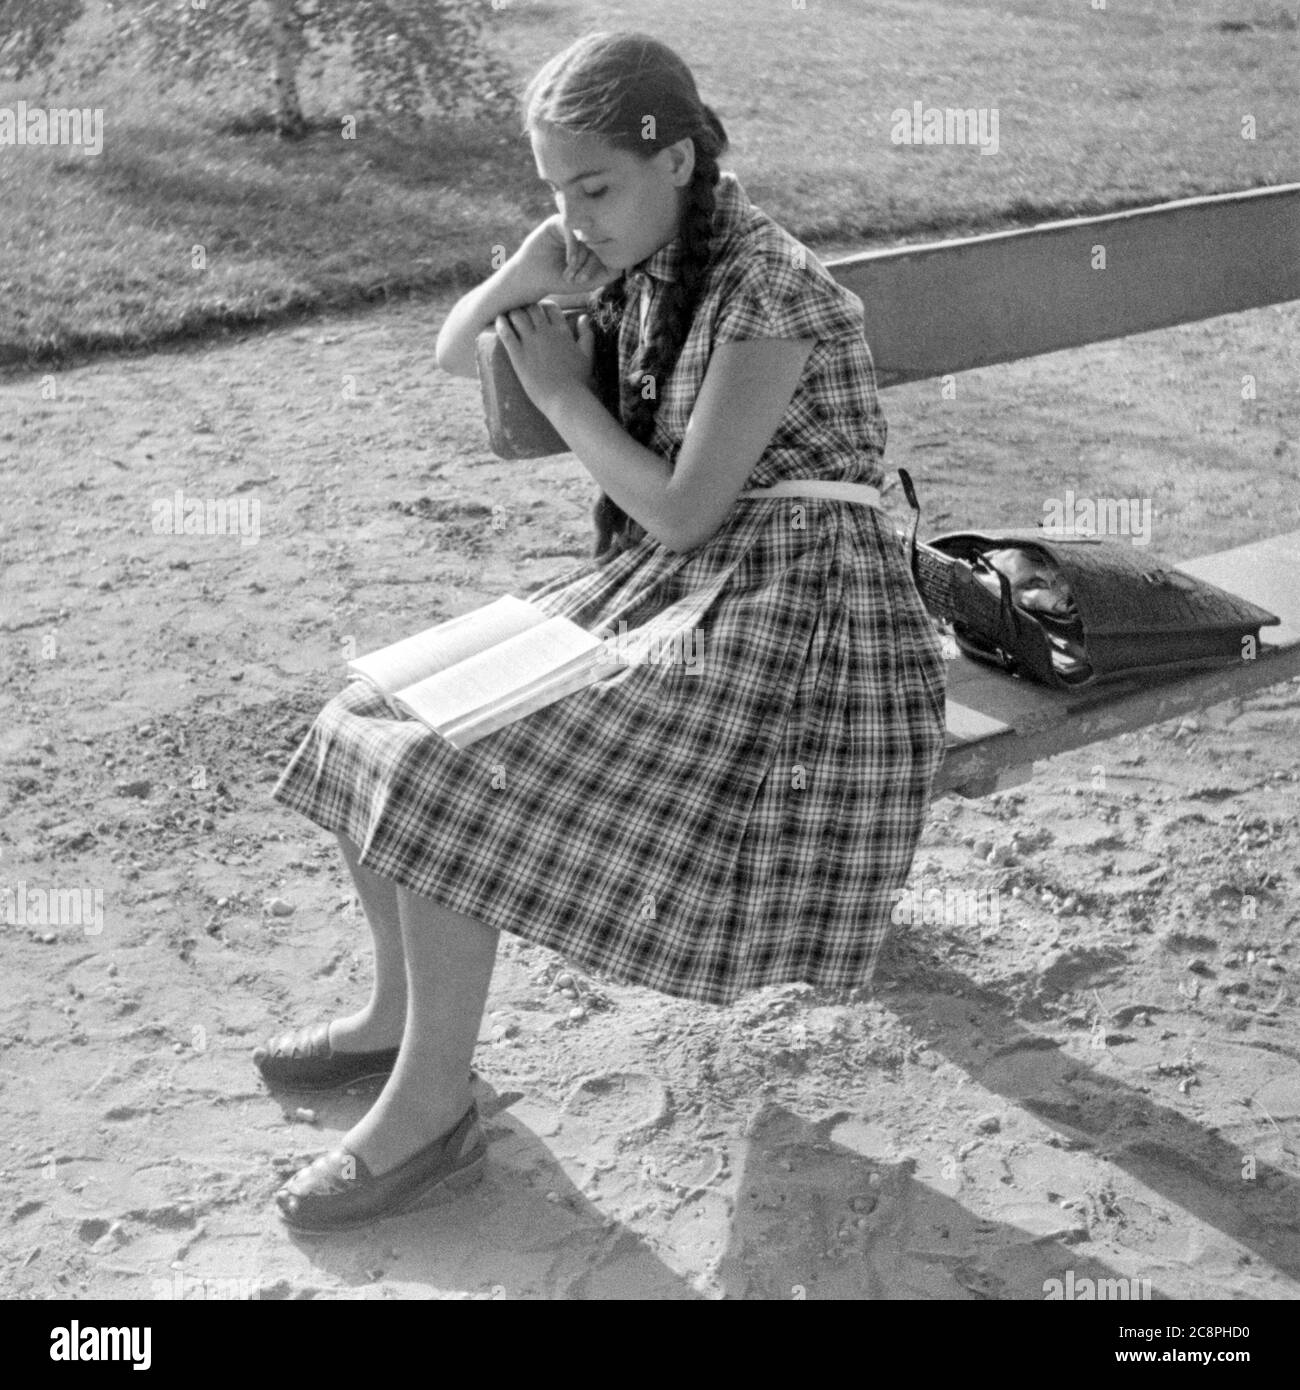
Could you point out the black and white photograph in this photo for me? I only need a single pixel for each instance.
(650, 652)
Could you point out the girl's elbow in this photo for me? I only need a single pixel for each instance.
(446, 358)
(684, 530)
(682, 540)
(457, 366)
(454, 355)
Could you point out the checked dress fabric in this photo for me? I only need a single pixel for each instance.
(739, 810)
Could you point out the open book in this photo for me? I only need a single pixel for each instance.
(470, 676)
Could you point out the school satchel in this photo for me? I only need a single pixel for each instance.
(1073, 610)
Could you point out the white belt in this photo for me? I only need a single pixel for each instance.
(819, 487)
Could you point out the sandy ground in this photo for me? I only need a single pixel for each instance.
(1097, 1078)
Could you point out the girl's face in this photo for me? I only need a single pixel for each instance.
(624, 207)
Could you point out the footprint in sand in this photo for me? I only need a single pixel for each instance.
(621, 1104)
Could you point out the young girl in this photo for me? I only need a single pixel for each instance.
(705, 826)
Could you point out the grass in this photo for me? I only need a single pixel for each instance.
(1098, 110)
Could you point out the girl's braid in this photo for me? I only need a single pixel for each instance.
(638, 394)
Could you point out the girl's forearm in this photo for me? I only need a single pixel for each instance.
(636, 478)
(475, 311)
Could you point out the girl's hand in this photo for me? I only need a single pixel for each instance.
(552, 261)
(542, 350)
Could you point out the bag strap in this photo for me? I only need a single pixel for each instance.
(909, 536)
(949, 589)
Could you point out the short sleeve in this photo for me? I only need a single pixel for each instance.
(775, 298)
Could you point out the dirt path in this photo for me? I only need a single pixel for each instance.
(1098, 1077)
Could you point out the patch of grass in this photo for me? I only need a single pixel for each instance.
(172, 231)
(1097, 110)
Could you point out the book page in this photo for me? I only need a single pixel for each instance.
(406, 662)
(517, 667)
(467, 731)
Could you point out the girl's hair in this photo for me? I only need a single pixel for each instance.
(607, 84)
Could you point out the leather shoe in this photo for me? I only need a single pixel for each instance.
(338, 1191)
(304, 1061)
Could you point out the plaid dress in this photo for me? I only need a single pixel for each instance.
(739, 808)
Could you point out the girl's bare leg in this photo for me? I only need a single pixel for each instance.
(379, 1025)
(449, 959)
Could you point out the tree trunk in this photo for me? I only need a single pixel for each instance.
(290, 124)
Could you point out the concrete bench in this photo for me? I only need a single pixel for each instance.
(949, 306)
